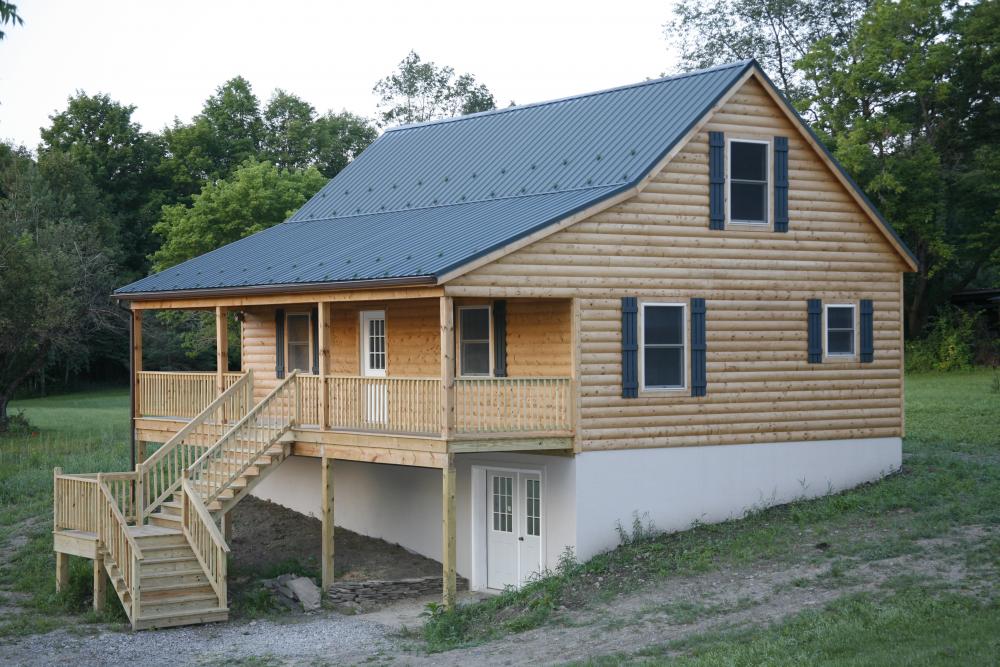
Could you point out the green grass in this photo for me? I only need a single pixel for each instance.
(81, 433)
(950, 478)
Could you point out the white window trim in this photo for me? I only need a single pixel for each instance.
(458, 340)
(309, 341)
(769, 187)
(685, 350)
(854, 332)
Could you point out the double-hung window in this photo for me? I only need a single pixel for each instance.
(474, 340)
(662, 345)
(840, 330)
(297, 338)
(748, 182)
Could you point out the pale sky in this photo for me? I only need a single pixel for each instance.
(166, 58)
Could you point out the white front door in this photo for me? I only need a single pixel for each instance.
(514, 527)
(373, 362)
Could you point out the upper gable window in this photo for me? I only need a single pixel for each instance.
(748, 183)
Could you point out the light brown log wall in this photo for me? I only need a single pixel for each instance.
(538, 340)
(658, 245)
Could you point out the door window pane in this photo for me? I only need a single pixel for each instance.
(748, 182)
(663, 346)
(376, 344)
(503, 501)
(297, 326)
(533, 507)
(474, 327)
(840, 330)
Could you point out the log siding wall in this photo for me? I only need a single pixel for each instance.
(538, 339)
(658, 246)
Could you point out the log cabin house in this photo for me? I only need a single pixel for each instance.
(493, 337)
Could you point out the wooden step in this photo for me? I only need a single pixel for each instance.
(156, 566)
(187, 577)
(166, 520)
(160, 552)
(166, 593)
(177, 604)
(176, 618)
(171, 507)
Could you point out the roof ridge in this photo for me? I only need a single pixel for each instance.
(531, 105)
(290, 221)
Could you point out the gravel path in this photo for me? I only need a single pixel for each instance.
(327, 638)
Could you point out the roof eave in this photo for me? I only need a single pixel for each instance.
(283, 288)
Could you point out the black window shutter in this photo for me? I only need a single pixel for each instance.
(781, 184)
(815, 333)
(716, 180)
(699, 363)
(500, 339)
(867, 331)
(315, 332)
(630, 347)
(279, 343)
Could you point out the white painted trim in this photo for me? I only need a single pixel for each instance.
(489, 337)
(841, 356)
(685, 347)
(768, 223)
(365, 316)
(479, 517)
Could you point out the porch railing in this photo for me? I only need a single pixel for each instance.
(182, 395)
(160, 474)
(505, 405)
(412, 406)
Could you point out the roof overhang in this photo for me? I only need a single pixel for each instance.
(285, 288)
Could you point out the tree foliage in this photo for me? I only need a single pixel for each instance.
(907, 95)
(55, 275)
(9, 16)
(257, 196)
(419, 91)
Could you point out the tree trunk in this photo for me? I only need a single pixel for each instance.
(4, 419)
(917, 314)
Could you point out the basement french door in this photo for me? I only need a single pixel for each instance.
(373, 362)
(513, 527)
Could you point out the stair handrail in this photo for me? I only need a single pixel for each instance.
(117, 543)
(205, 538)
(212, 487)
(173, 458)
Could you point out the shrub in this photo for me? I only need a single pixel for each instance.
(950, 343)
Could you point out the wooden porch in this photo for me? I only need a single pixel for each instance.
(223, 432)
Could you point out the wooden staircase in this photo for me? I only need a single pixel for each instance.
(172, 570)
(174, 589)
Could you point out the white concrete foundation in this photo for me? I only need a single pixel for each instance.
(584, 497)
(675, 487)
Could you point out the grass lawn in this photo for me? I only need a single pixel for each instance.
(949, 485)
(85, 432)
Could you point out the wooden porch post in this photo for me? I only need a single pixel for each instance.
(328, 544)
(62, 571)
(448, 533)
(138, 450)
(221, 348)
(100, 582)
(324, 331)
(447, 366)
